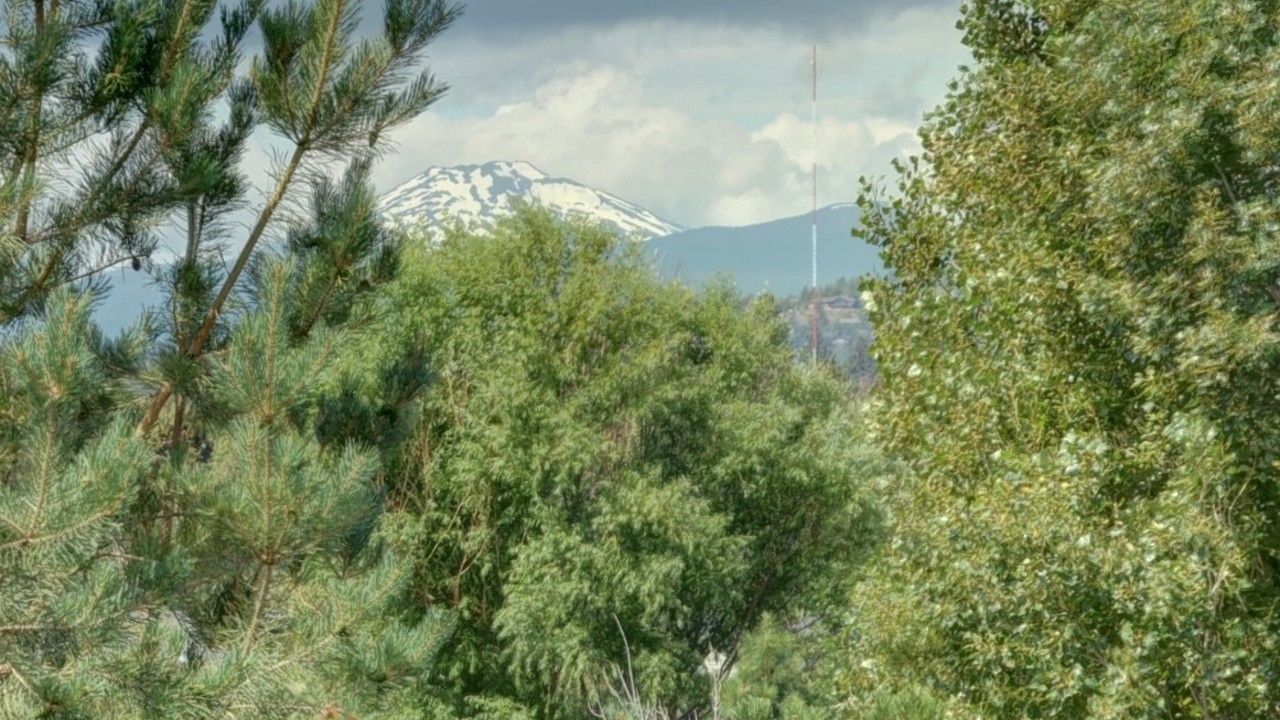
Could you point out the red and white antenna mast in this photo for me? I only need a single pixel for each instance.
(813, 329)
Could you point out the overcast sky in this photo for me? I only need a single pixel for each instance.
(696, 109)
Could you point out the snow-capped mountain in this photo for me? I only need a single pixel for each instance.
(477, 195)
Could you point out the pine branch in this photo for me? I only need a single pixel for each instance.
(13, 526)
(215, 310)
(361, 609)
(102, 267)
(28, 628)
(322, 77)
(172, 54)
(320, 306)
(176, 44)
(259, 604)
(7, 669)
(302, 146)
(91, 213)
(29, 541)
(31, 151)
(85, 218)
(46, 471)
(175, 437)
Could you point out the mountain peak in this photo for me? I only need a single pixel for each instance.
(477, 195)
(509, 168)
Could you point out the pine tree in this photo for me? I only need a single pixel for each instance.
(183, 532)
(69, 476)
(1078, 348)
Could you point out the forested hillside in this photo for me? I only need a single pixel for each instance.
(515, 474)
(844, 328)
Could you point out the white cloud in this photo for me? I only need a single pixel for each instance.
(702, 124)
(594, 128)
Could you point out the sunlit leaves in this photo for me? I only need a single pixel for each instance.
(1076, 350)
(604, 455)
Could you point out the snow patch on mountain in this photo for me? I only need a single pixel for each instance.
(477, 195)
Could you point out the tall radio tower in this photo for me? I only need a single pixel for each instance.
(813, 328)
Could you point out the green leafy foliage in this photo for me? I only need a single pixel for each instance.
(606, 462)
(1076, 352)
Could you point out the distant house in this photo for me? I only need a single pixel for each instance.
(842, 302)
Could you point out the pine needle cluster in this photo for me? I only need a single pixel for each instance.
(179, 534)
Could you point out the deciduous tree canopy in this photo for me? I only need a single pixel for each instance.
(1078, 351)
(605, 461)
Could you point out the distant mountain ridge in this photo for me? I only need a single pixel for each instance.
(477, 195)
(774, 255)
